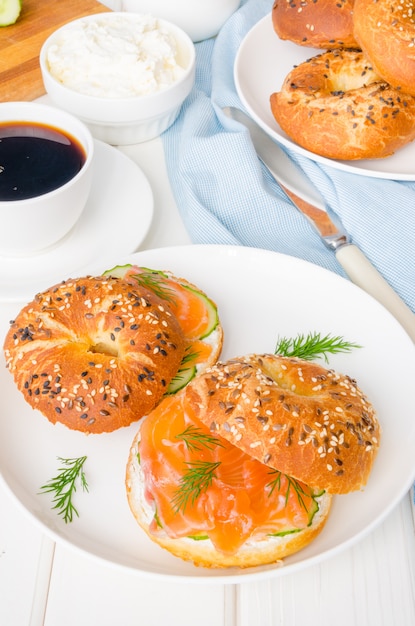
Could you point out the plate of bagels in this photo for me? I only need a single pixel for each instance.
(339, 88)
(206, 413)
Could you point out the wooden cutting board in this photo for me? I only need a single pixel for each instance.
(20, 44)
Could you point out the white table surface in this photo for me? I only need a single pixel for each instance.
(43, 583)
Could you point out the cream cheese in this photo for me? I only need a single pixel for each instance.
(115, 57)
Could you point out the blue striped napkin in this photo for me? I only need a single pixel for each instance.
(225, 197)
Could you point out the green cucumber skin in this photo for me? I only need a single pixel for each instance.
(9, 12)
(284, 533)
(119, 271)
(198, 537)
(212, 309)
(182, 378)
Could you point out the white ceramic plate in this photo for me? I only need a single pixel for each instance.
(115, 221)
(260, 295)
(261, 65)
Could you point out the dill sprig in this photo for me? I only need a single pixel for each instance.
(185, 368)
(156, 282)
(195, 481)
(63, 485)
(291, 484)
(195, 439)
(189, 356)
(312, 346)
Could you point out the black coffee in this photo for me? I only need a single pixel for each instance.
(36, 159)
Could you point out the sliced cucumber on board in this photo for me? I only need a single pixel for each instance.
(9, 11)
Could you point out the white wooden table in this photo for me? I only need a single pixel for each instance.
(43, 583)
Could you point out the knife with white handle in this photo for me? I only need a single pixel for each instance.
(293, 181)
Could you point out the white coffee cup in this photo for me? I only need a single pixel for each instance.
(33, 224)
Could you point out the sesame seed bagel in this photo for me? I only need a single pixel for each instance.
(94, 353)
(315, 23)
(385, 30)
(337, 106)
(295, 416)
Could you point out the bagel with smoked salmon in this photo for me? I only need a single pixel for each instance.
(97, 353)
(324, 24)
(337, 106)
(195, 311)
(239, 468)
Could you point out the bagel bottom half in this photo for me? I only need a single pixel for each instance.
(202, 552)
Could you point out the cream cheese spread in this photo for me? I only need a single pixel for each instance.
(115, 56)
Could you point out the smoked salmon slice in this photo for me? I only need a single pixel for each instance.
(203, 487)
(196, 313)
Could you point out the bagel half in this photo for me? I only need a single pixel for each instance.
(295, 416)
(260, 549)
(385, 30)
(264, 422)
(98, 353)
(337, 106)
(93, 353)
(324, 24)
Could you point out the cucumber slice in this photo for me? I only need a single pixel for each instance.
(313, 509)
(118, 271)
(198, 537)
(9, 11)
(284, 533)
(148, 278)
(182, 378)
(211, 309)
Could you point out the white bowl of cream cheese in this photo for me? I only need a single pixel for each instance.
(125, 75)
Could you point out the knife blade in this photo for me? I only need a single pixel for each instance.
(306, 198)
